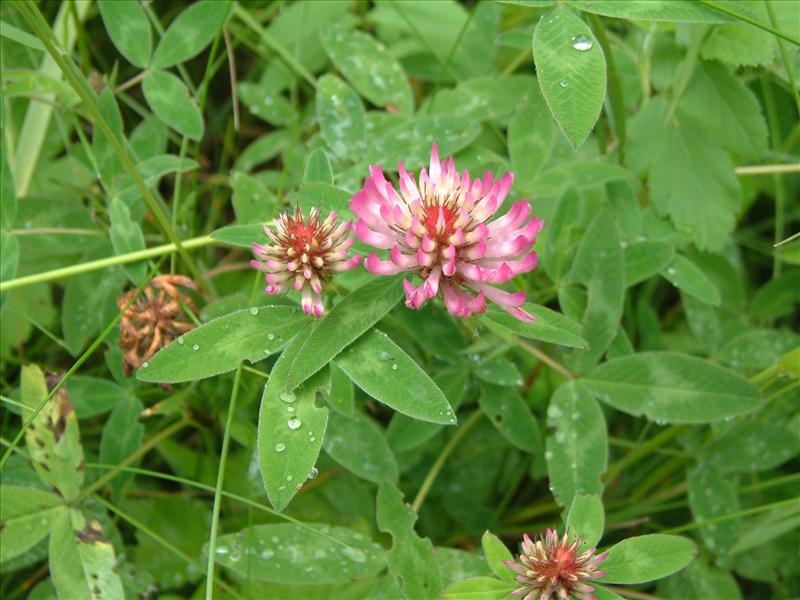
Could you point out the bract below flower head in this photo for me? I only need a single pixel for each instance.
(439, 230)
(552, 569)
(304, 254)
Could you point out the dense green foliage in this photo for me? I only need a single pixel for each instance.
(651, 407)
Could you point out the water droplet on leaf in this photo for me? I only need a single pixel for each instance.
(294, 423)
(581, 43)
(280, 447)
(254, 311)
(288, 397)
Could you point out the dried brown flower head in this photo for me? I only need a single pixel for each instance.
(154, 319)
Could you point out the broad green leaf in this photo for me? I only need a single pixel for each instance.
(496, 554)
(341, 117)
(290, 553)
(586, 518)
(190, 32)
(700, 202)
(126, 236)
(240, 235)
(700, 581)
(599, 265)
(602, 593)
(410, 141)
(53, 439)
(411, 559)
(479, 588)
(508, 412)
(26, 515)
(342, 394)
(758, 349)
(168, 97)
(653, 10)
(342, 325)
(561, 235)
(530, 137)
(267, 101)
(318, 168)
(82, 560)
(571, 70)
(580, 175)
(740, 44)
(219, 345)
(647, 557)
(129, 30)
(736, 122)
(324, 197)
(672, 388)
(122, 436)
(548, 325)
(149, 138)
(712, 495)
(778, 297)
(253, 201)
(577, 449)
(749, 447)
(152, 170)
(684, 274)
(405, 433)
(107, 160)
(92, 396)
(644, 259)
(490, 98)
(263, 150)
(369, 67)
(359, 445)
(291, 428)
(498, 371)
(455, 564)
(384, 371)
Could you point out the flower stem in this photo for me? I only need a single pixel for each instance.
(442, 458)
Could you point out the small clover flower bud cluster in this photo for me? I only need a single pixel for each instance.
(303, 255)
(438, 230)
(552, 569)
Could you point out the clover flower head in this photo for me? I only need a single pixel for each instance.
(438, 229)
(304, 254)
(551, 568)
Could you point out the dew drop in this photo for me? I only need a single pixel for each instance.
(394, 367)
(196, 347)
(145, 364)
(312, 439)
(385, 356)
(581, 43)
(288, 397)
(181, 341)
(222, 550)
(563, 83)
(289, 478)
(355, 554)
(270, 336)
(290, 408)
(254, 311)
(267, 554)
(235, 556)
(280, 447)
(312, 474)
(294, 423)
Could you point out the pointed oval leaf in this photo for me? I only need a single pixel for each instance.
(190, 32)
(129, 30)
(508, 412)
(359, 445)
(496, 554)
(384, 371)
(684, 274)
(571, 70)
(586, 518)
(219, 345)
(479, 588)
(647, 557)
(644, 259)
(26, 515)
(318, 168)
(749, 447)
(170, 100)
(548, 325)
(343, 324)
(672, 388)
(341, 117)
(239, 235)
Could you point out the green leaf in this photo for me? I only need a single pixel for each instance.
(342, 325)
(530, 138)
(92, 396)
(107, 160)
(712, 495)
(498, 371)
(263, 150)
(359, 445)
(53, 439)
(240, 235)
(219, 345)
(122, 436)
(571, 70)
(586, 518)
(647, 557)
(9, 257)
(602, 593)
(341, 117)
(411, 559)
(496, 554)
(758, 349)
(750, 447)
(508, 412)
(672, 388)
(578, 448)
(168, 97)
(129, 30)
(318, 167)
(548, 325)
(190, 32)
(342, 394)
(653, 10)
(26, 515)
(700, 202)
(384, 371)
(324, 197)
(152, 169)
(778, 297)
(684, 274)
(81, 559)
(291, 428)
(581, 175)
(739, 44)
(599, 265)
(490, 98)
(479, 588)
(126, 236)
(736, 123)
(290, 553)
(369, 67)
(644, 259)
